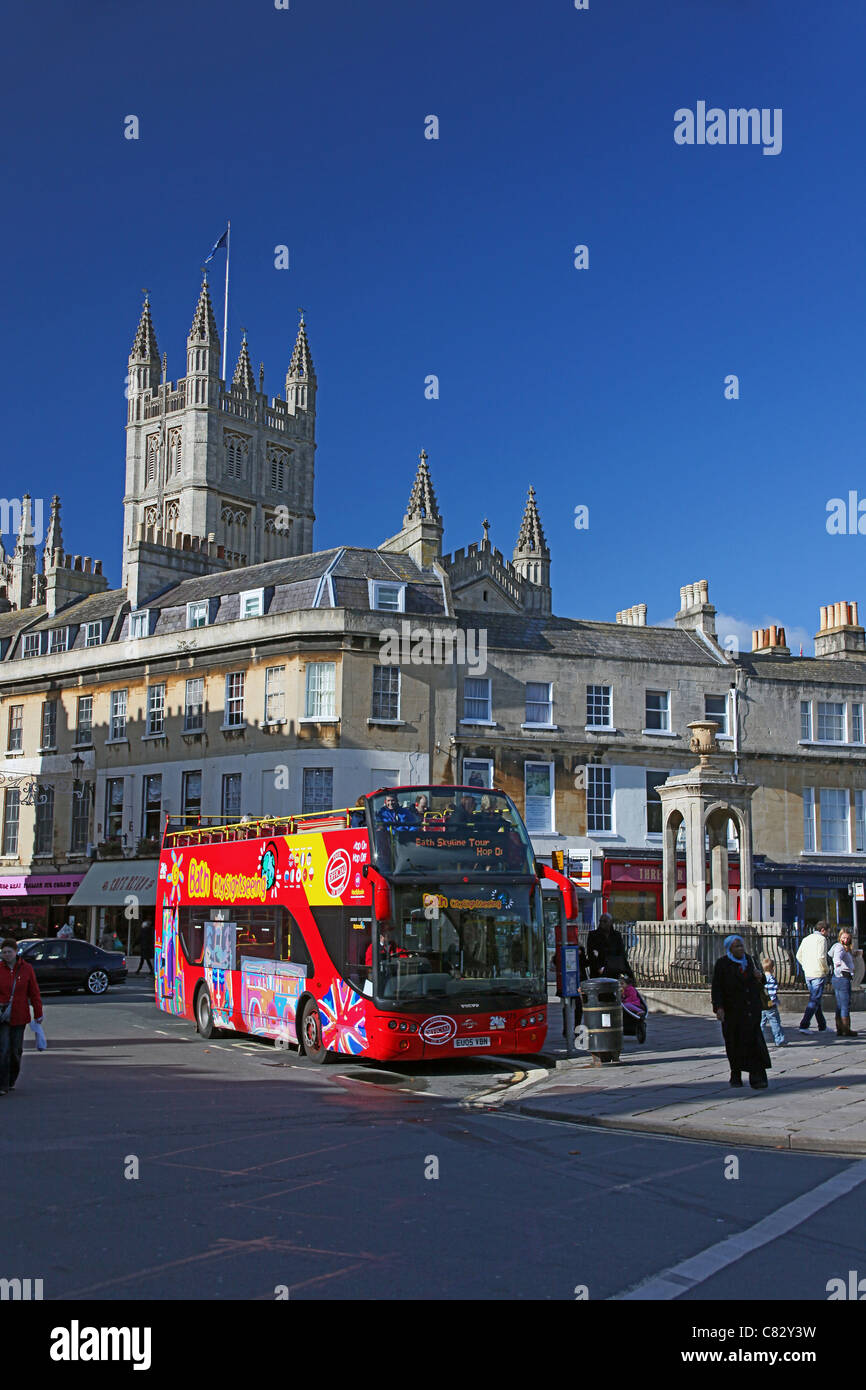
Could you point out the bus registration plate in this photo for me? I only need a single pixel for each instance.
(471, 1042)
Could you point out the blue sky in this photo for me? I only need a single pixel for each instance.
(602, 387)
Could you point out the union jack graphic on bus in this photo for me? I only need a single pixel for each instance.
(342, 1013)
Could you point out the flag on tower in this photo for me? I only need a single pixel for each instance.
(223, 241)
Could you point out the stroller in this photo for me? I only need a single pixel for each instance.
(634, 1013)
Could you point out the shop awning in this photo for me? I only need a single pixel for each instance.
(38, 885)
(110, 884)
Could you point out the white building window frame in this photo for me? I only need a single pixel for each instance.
(665, 729)
(595, 773)
(376, 589)
(477, 697)
(320, 692)
(256, 598)
(275, 676)
(198, 613)
(596, 700)
(233, 708)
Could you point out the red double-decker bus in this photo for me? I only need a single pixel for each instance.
(408, 926)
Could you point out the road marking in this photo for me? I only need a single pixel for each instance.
(679, 1279)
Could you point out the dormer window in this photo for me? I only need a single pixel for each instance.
(32, 644)
(252, 603)
(139, 623)
(197, 614)
(58, 639)
(390, 598)
(93, 634)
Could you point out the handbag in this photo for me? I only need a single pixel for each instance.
(6, 1011)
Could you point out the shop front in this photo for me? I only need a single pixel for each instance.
(632, 887)
(117, 897)
(803, 894)
(37, 904)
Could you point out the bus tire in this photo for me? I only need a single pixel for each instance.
(204, 1024)
(311, 1033)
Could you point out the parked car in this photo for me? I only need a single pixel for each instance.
(73, 965)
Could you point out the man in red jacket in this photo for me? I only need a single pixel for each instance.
(18, 983)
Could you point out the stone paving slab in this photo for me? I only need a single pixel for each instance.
(677, 1083)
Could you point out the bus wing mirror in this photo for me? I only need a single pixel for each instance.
(382, 906)
(566, 887)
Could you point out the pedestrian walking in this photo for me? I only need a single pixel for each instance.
(812, 957)
(145, 946)
(842, 957)
(738, 1003)
(770, 1017)
(19, 993)
(605, 951)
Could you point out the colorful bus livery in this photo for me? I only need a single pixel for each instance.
(380, 931)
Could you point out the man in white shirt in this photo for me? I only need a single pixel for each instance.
(812, 956)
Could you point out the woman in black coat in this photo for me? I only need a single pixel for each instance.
(738, 1000)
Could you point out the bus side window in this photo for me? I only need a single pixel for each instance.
(298, 952)
(191, 924)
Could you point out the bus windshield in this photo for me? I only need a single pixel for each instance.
(438, 831)
(464, 941)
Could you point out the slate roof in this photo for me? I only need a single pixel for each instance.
(851, 670)
(85, 610)
(574, 637)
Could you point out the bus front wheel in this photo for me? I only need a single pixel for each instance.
(311, 1033)
(204, 1014)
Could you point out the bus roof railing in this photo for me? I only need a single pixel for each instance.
(259, 829)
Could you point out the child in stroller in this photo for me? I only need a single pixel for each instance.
(634, 1011)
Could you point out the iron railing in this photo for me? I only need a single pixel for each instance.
(681, 955)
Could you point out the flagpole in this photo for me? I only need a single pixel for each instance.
(226, 301)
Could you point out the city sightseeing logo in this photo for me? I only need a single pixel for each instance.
(338, 872)
(268, 869)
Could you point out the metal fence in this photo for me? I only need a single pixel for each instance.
(681, 955)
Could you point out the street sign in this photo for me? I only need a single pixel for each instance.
(570, 973)
(859, 892)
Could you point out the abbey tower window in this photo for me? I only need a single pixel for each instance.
(237, 448)
(175, 451)
(278, 468)
(151, 466)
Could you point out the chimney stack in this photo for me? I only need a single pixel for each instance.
(634, 616)
(696, 611)
(769, 641)
(840, 634)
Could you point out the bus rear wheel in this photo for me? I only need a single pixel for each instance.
(311, 1033)
(204, 1014)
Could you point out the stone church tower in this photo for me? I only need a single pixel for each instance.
(217, 475)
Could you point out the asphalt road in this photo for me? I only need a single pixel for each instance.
(257, 1169)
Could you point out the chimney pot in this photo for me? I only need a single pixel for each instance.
(854, 619)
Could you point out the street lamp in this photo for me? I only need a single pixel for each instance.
(80, 789)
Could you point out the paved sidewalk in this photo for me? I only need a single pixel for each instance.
(677, 1083)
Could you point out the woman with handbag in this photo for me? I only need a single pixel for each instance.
(738, 1001)
(19, 992)
(842, 958)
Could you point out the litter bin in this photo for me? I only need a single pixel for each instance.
(602, 1018)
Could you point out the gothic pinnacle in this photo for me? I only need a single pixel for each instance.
(531, 537)
(422, 498)
(301, 364)
(144, 347)
(204, 329)
(243, 378)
